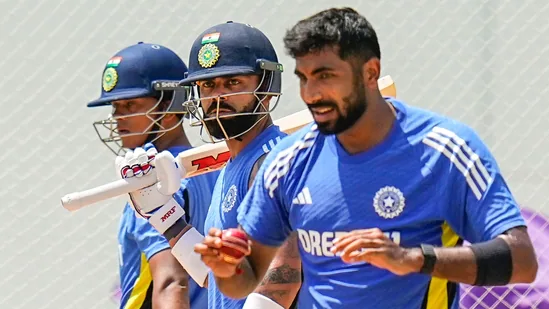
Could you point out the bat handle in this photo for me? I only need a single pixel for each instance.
(75, 201)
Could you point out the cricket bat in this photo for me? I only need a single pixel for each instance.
(196, 161)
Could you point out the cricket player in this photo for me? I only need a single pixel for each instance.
(381, 193)
(236, 77)
(140, 83)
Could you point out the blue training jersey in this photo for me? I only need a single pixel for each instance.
(138, 241)
(230, 188)
(432, 181)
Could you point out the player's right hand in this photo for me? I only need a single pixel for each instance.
(209, 251)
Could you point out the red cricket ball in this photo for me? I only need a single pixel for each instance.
(235, 245)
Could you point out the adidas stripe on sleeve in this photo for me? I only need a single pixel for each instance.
(481, 203)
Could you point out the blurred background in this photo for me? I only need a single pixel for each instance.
(482, 62)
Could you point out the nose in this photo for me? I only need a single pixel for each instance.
(309, 92)
(220, 95)
(214, 98)
(116, 113)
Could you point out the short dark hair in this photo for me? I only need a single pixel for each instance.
(343, 28)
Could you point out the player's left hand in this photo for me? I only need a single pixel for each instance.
(161, 167)
(372, 246)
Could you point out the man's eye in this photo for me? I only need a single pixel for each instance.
(233, 82)
(207, 84)
(325, 75)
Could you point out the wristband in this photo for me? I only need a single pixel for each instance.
(166, 216)
(429, 259)
(175, 229)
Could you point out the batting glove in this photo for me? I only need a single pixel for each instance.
(156, 203)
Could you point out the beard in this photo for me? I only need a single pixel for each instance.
(354, 106)
(235, 125)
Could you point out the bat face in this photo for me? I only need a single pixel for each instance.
(209, 163)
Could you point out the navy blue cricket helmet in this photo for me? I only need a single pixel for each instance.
(231, 49)
(141, 70)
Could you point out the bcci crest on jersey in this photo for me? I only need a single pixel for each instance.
(229, 200)
(389, 202)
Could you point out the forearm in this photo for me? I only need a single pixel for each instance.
(170, 282)
(283, 279)
(454, 264)
(173, 296)
(253, 269)
(239, 285)
(508, 259)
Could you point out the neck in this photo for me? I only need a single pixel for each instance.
(172, 138)
(236, 146)
(370, 129)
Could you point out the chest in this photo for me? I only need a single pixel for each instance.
(228, 193)
(396, 193)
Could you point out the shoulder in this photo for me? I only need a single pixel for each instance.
(452, 150)
(294, 146)
(439, 134)
(455, 142)
(288, 156)
(276, 137)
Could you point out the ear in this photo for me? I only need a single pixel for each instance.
(371, 70)
(169, 120)
(265, 103)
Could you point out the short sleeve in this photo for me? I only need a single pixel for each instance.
(264, 212)
(147, 238)
(482, 205)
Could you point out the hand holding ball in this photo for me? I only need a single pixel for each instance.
(235, 245)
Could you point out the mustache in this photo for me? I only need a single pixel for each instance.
(320, 104)
(214, 107)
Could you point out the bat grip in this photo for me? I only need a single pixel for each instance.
(77, 200)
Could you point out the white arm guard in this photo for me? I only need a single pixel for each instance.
(258, 301)
(183, 251)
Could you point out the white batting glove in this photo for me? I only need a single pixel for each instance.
(161, 167)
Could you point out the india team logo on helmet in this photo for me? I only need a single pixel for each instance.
(208, 55)
(110, 77)
(230, 50)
